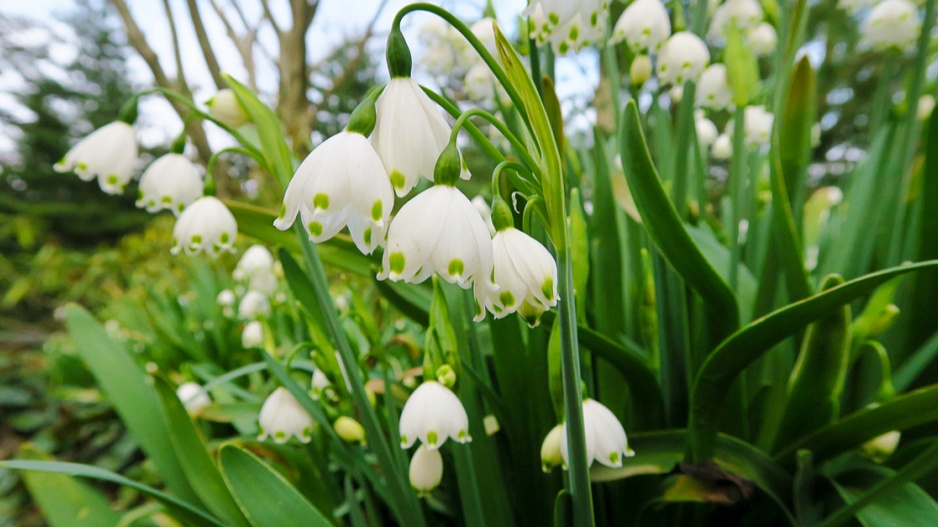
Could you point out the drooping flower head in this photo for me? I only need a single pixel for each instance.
(205, 225)
(682, 57)
(644, 25)
(172, 182)
(706, 131)
(722, 148)
(320, 384)
(193, 397)
(892, 24)
(568, 25)
(254, 304)
(257, 259)
(433, 414)
(426, 470)
(762, 39)
(605, 438)
(744, 14)
(282, 416)
(252, 336)
(226, 107)
(713, 88)
(108, 154)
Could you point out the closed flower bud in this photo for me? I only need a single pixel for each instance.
(433, 414)
(440, 231)
(551, 457)
(226, 298)
(446, 375)
(320, 384)
(426, 470)
(743, 14)
(226, 107)
(682, 57)
(605, 437)
(205, 225)
(349, 429)
(172, 182)
(926, 103)
(282, 416)
(706, 131)
(568, 25)
(881, 447)
(640, 70)
(254, 305)
(193, 397)
(713, 88)
(722, 148)
(252, 336)
(257, 259)
(644, 25)
(762, 39)
(108, 154)
(891, 24)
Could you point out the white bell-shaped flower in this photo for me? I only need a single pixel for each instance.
(426, 470)
(891, 24)
(605, 437)
(342, 183)
(644, 25)
(172, 182)
(205, 225)
(722, 148)
(226, 107)
(762, 39)
(433, 414)
(526, 275)
(706, 131)
(108, 154)
(683, 56)
(713, 88)
(568, 25)
(758, 126)
(226, 298)
(319, 384)
(744, 14)
(256, 259)
(263, 282)
(485, 32)
(479, 203)
(925, 106)
(550, 449)
(482, 86)
(445, 51)
(282, 416)
(254, 304)
(193, 397)
(252, 336)
(409, 135)
(439, 230)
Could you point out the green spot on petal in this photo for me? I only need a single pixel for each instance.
(224, 237)
(554, 18)
(315, 228)
(403, 441)
(82, 166)
(283, 210)
(548, 289)
(321, 201)
(139, 195)
(397, 180)
(367, 236)
(167, 200)
(280, 435)
(432, 438)
(181, 207)
(563, 47)
(397, 263)
(462, 435)
(456, 268)
(594, 18)
(196, 238)
(506, 298)
(112, 179)
(614, 457)
(377, 210)
(574, 32)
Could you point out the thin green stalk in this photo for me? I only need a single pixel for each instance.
(535, 55)
(736, 192)
(685, 123)
(408, 507)
(473, 130)
(533, 167)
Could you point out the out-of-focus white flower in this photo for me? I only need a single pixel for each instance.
(526, 274)
(282, 416)
(722, 148)
(762, 39)
(108, 154)
(744, 14)
(263, 282)
(568, 25)
(605, 438)
(926, 103)
(676, 93)
(640, 70)
(226, 107)
(439, 230)
(409, 135)
(855, 5)
(349, 429)
(485, 211)
(881, 447)
(426, 470)
(433, 414)
(252, 336)
(644, 25)
(172, 182)
(485, 32)
(205, 225)
(446, 52)
(344, 182)
(758, 125)
(226, 298)
(482, 86)
(706, 131)
(256, 259)
(683, 56)
(254, 305)
(815, 134)
(891, 24)
(193, 397)
(551, 456)
(713, 88)
(319, 384)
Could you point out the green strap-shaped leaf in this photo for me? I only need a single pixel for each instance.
(749, 343)
(65, 501)
(185, 512)
(267, 499)
(268, 129)
(924, 318)
(196, 461)
(667, 230)
(134, 399)
(795, 133)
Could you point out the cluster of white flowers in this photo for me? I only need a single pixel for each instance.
(748, 18)
(567, 25)
(891, 24)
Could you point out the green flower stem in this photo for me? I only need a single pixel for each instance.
(685, 123)
(535, 55)
(408, 508)
(505, 167)
(533, 167)
(736, 192)
(473, 130)
(209, 185)
(474, 41)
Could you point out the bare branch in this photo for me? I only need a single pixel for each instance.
(177, 52)
(205, 44)
(244, 44)
(270, 17)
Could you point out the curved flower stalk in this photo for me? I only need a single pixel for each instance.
(205, 225)
(644, 26)
(108, 154)
(426, 470)
(568, 25)
(283, 417)
(605, 438)
(433, 414)
(172, 182)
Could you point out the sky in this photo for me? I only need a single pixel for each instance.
(334, 21)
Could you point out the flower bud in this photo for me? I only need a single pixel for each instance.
(426, 470)
(448, 166)
(349, 430)
(551, 457)
(253, 335)
(926, 103)
(446, 375)
(193, 397)
(640, 70)
(762, 39)
(226, 107)
(880, 448)
(884, 321)
(398, 54)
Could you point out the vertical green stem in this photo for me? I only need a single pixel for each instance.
(685, 122)
(736, 192)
